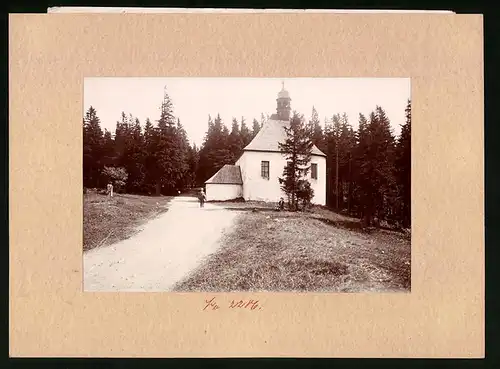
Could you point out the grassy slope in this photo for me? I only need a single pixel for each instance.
(318, 251)
(108, 220)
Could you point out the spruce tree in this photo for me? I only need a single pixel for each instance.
(347, 144)
(184, 155)
(215, 151)
(255, 128)
(121, 137)
(245, 134)
(403, 169)
(297, 149)
(167, 149)
(129, 140)
(235, 143)
(332, 138)
(361, 163)
(387, 192)
(205, 165)
(150, 164)
(316, 130)
(376, 172)
(221, 153)
(263, 119)
(193, 160)
(92, 149)
(108, 149)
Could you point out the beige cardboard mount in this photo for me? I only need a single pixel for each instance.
(50, 55)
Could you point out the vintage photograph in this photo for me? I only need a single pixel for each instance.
(247, 184)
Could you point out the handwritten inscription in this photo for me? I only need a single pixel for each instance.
(211, 304)
(233, 304)
(249, 304)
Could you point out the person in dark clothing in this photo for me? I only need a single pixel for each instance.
(202, 197)
(281, 204)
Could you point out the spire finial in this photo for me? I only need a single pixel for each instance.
(282, 85)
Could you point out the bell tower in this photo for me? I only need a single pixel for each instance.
(283, 103)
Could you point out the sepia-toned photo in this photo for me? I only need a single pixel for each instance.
(247, 184)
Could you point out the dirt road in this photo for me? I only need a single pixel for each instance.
(167, 248)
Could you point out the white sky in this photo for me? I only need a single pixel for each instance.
(195, 98)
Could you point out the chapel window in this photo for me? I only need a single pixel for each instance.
(314, 171)
(264, 169)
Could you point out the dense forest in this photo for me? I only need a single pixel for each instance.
(368, 169)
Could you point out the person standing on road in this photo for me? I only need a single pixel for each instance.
(202, 197)
(109, 189)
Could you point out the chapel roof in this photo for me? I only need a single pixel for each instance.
(228, 174)
(271, 133)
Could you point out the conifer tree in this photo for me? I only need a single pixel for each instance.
(134, 156)
(297, 149)
(167, 149)
(148, 131)
(92, 149)
(376, 171)
(347, 144)
(403, 169)
(150, 164)
(255, 128)
(221, 153)
(205, 165)
(385, 154)
(215, 151)
(108, 149)
(184, 155)
(121, 137)
(225, 135)
(332, 138)
(235, 142)
(193, 160)
(263, 119)
(245, 134)
(316, 131)
(361, 163)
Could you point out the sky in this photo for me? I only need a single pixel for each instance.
(195, 98)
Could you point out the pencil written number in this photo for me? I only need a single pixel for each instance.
(250, 304)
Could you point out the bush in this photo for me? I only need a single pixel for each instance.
(117, 176)
(305, 193)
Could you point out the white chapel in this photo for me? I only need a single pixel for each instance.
(255, 174)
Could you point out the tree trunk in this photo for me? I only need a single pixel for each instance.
(349, 190)
(158, 188)
(337, 178)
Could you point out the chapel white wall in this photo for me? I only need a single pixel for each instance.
(222, 192)
(319, 184)
(257, 188)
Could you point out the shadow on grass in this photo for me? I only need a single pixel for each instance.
(214, 209)
(254, 209)
(351, 225)
(357, 226)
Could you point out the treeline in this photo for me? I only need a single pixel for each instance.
(368, 169)
(153, 159)
(157, 158)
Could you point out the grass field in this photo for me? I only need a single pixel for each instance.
(314, 251)
(107, 220)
